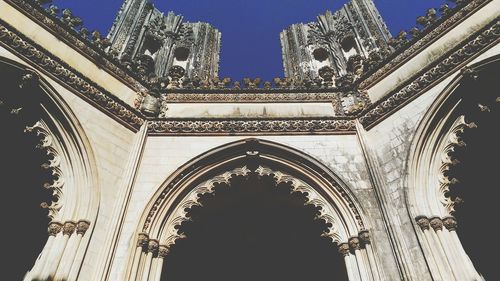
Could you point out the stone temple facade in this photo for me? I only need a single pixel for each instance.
(133, 151)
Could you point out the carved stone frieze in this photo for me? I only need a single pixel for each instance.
(421, 43)
(251, 126)
(448, 63)
(250, 97)
(68, 76)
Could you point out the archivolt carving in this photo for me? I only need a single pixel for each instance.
(54, 165)
(179, 215)
(448, 160)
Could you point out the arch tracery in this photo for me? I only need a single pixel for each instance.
(170, 206)
(432, 176)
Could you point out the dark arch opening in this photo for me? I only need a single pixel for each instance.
(22, 174)
(320, 54)
(348, 43)
(254, 229)
(477, 171)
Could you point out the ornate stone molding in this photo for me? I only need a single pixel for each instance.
(454, 141)
(423, 222)
(422, 42)
(68, 76)
(450, 223)
(179, 214)
(436, 223)
(252, 126)
(258, 97)
(447, 63)
(54, 165)
(54, 228)
(132, 119)
(74, 40)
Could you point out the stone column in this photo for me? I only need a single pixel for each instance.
(162, 253)
(142, 243)
(53, 230)
(355, 245)
(58, 250)
(434, 260)
(70, 252)
(151, 251)
(364, 236)
(437, 224)
(350, 262)
(468, 269)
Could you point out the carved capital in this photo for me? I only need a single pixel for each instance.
(69, 228)
(54, 228)
(364, 236)
(423, 222)
(450, 223)
(354, 243)
(153, 246)
(143, 239)
(436, 223)
(82, 227)
(344, 249)
(163, 251)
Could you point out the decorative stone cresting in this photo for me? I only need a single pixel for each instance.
(179, 215)
(447, 161)
(47, 143)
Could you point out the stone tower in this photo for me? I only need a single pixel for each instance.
(351, 33)
(157, 42)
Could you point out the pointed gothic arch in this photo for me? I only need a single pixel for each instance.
(433, 156)
(169, 206)
(70, 160)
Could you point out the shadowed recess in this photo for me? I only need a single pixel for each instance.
(254, 230)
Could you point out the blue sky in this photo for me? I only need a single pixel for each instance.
(250, 28)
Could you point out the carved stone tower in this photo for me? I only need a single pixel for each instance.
(336, 43)
(158, 42)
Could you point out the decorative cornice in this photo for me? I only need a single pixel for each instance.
(248, 97)
(398, 58)
(130, 117)
(198, 127)
(71, 37)
(68, 76)
(448, 62)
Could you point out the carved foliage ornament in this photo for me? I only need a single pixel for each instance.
(179, 214)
